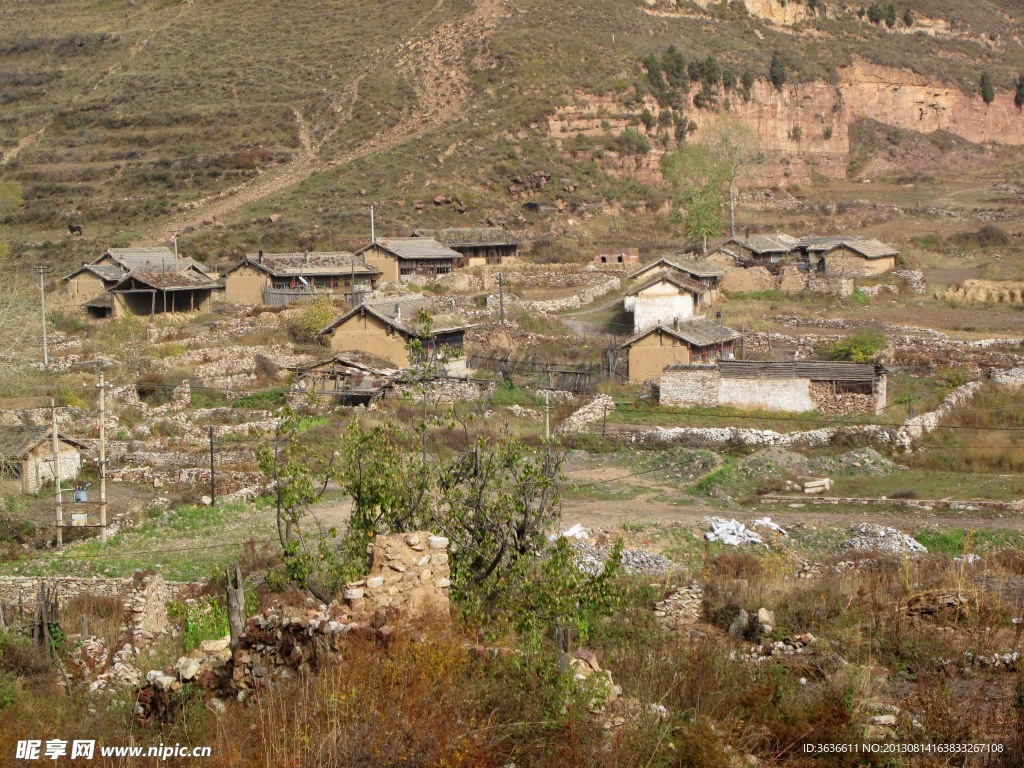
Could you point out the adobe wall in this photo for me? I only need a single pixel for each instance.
(770, 394)
(649, 311)
(245, 286)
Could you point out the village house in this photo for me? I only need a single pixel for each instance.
(478, 245)
(832, 388)
(665, 298)
(150, 293)
(410, 258)
(93, 279)
(280, 278)
(618, 256)
(27, 454)
(703, 272)
(753, 250)
(697, 340)
(385, 330)
(854, 257)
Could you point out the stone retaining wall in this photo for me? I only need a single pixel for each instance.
(548, 306)
(927, 504)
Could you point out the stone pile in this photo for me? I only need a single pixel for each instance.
(1003, 661)
(633, 560)
(682, 606)
(869, 537)
(785, 647)
(593, 411)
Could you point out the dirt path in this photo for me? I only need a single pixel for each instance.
(434, 63)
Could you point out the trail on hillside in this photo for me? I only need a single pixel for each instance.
(435, 64)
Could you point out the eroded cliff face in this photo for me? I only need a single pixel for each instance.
(774, 11)
(906, 100)
(803, 129)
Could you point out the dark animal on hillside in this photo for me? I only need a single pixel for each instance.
(75, 229)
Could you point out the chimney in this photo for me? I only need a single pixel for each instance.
(398, 311)
(259, 257)
(675, 323)
(305, 257)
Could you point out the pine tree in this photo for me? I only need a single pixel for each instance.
(988, 90)
(777, 72)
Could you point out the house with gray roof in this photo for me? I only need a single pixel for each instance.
(95, 278)
(704, 272)
(697, 340)
(152, 293)
(280, 278)
(665, 298)
(410, 258)
(479, 245)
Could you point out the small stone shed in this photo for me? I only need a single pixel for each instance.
(280, 278)
(690, 341)
(27, 453)
(832, 388)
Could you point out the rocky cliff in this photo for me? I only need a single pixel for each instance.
(803, 128)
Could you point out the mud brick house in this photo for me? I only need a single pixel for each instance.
(697, 340)
(385, 329)
(27, 453)
(703, 272)
(664, 299)
(410, 258)
(852, 257)
(833, 388)
(621, 256)
(478, 245)
(95, 278)
(753, 250)
(150, 293)
(280, 278)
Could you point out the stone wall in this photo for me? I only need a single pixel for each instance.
(408, 581)
(548, 306)
(38, 470)
(593, 411)
(830, 285)
(690, 385)
(1008, 377)
(831, 403)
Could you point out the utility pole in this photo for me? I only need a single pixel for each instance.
(174, 237)
(373, 235)
(103, 457)
(42, 271)
(213, 477)
(55, 468)
(501, 296)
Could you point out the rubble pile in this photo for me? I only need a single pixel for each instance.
(680, 607)
(869, 537)
(593, 411)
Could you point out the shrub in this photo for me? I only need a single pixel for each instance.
(311, 317)
(777, 72)
(1018, 96)
(204, 619)
(859, 347)
(988, 90)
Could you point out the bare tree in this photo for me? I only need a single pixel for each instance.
(738, 149)
(19, 332)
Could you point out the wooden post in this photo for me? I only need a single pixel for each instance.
(236, 606)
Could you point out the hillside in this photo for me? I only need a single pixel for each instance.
(136, 119)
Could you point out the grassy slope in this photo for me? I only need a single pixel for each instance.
(160, 103)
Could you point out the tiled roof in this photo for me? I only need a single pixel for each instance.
(869, 249)
(680, 281)
(151, 260)
(695, 268)
(454, 237)
(415, 248)
(402, 314)
(695, 331)
(102, 271)
(313, 263)
(16, 441)
(170, 281)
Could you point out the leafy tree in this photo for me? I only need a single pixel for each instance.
(988, 90)
(647, 119)
(312, 316)
(908, 18)
(1018, 96)
(11, 199)
(697, 174)
(19, 330)
(674, 65)
(654, 78)
(889, 14)
(777, 72)
(875, 13)
(748, 83)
